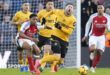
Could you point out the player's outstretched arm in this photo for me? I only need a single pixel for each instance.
(21, 34)
(87, 28)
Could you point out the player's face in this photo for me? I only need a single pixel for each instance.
(50, 6)
(69, 9)
(100, 9)
(33, 20)
(26, 6)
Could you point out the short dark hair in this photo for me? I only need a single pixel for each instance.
(100, 4)
(49, 1)
(69, 4)
(32, 15)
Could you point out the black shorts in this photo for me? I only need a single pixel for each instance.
(43, 41)
(63, 45)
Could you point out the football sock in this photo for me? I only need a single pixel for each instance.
(96, 60)
(31, 63)
(43, 65)
(49, 58)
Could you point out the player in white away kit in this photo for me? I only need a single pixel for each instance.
(26, 41)
(100, 22)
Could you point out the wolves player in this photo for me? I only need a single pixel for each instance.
(100, 22)
(26, 41)
(19, 18)
(45, 34)
(63, 29)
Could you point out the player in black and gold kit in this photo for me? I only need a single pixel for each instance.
(63, 29)
(64, 26)
(48, 20)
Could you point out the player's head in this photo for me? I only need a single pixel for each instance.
(69, 9)
(26, 7)
(100, 9)
(33, 18)
(50, 5)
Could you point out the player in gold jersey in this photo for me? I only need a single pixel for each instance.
(19, 18)
(44, 34)
(64, 27)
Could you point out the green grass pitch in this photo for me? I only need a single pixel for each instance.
(63, 71)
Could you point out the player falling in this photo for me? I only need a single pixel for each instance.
(60, 37)
(100, 22)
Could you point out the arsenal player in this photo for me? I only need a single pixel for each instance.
(25, 40)
(98, 22)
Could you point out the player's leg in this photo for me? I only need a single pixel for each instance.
(63, 49)
(92, 49)
(19, 52)
(20, 55)
(36, 48)
(100, 50)
(27, 45)
(46, 47)
(97, 57)
(56, 48)
(50, 58)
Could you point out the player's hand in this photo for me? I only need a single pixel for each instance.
(84, 38)
(47, 27)
(57, 25)
(43, 21)
(35, 40)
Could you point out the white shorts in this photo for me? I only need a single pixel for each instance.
(98, 41)
(19, 42)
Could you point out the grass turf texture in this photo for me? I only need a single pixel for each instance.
(64, 71)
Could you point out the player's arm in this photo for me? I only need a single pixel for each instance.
(54, 11)
(108, 23)
(22, 30)
(87, 28)
(68, 30)
(42, 17)
(88, 25)
(15, 20)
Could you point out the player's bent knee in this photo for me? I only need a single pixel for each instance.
(19, 49)
(99, 52)
(92, 47)
(26, 46)
(47, 48)
(56, 48)
(36, 48)
(63, 55)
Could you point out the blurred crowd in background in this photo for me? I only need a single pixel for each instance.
(8, 8)
(89, 7)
